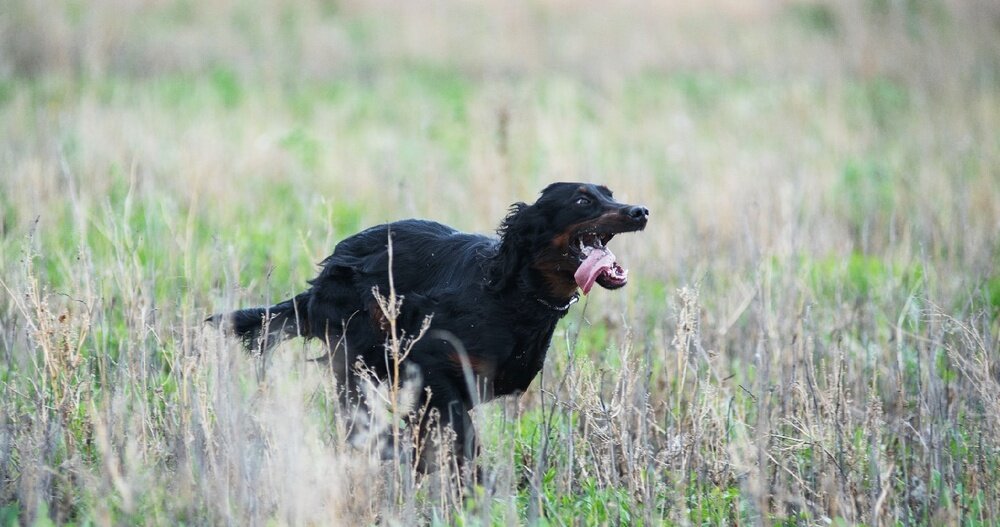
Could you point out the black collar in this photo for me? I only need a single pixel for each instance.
(572, 300)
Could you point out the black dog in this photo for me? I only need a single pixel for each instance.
(493, 303)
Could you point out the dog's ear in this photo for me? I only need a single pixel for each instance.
(514, 221)
(513, 232)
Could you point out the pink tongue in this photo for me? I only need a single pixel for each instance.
(599, 260)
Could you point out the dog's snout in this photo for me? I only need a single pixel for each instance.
(637, 213)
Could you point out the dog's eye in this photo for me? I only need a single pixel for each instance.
(583, 201)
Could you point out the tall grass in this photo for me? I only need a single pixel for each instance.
(811, 331)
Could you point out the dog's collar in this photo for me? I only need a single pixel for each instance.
(572, 300)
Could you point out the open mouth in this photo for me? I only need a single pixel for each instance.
(597, 262)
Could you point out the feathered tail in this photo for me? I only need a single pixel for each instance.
(261, 328)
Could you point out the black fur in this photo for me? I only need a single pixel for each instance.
(493, 303)
(260, 328)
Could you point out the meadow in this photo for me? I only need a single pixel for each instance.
(810, 335)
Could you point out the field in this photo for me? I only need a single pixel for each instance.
(810, 336)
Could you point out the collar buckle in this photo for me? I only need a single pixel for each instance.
(572, 300)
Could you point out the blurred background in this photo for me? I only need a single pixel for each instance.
(824, 186)
(855, 124)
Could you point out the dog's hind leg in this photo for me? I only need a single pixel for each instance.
(444, 410)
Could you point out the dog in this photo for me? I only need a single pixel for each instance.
(485, 308)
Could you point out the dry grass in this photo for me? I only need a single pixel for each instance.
(811, 334)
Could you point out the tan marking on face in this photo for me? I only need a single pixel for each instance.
(557, 265)
(560, 284)
(561, 242)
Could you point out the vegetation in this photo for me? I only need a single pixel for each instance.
(812, 330)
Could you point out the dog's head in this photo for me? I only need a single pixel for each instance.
(564, 235)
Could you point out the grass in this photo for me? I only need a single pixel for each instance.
(810, 335)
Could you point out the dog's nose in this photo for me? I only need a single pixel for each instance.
(638, 213)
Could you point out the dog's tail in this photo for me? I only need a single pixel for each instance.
(261, 328)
